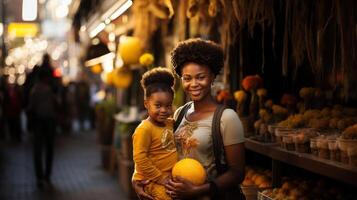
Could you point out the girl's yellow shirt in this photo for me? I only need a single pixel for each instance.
(154, 151)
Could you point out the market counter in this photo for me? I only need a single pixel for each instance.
(332, 169)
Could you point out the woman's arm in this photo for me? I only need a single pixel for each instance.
(235, 156)
(233, 138)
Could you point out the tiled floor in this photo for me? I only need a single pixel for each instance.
(77, 172)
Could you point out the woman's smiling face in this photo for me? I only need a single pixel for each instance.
(197, 80)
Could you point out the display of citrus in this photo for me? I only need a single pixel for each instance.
(191, 170)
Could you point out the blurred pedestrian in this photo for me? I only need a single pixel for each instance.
(12, 111)
(83, 103)
(2, 107)
(42, 108)
(31, 79)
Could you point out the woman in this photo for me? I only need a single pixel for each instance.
(198, 62)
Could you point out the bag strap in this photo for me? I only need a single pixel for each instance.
(181, 114)
(217, 139)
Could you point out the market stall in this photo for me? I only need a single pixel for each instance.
(289, 73)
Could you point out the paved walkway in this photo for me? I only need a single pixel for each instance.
(77, 172)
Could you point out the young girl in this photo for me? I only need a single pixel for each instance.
(154, 150)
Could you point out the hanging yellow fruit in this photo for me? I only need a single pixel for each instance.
(122, 77)
(146, 59)
(130, 49)
(96, 69)
(190, 169)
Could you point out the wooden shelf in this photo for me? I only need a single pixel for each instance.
(335, 170)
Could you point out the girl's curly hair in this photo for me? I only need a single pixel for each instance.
(157, 80)
(203, 52)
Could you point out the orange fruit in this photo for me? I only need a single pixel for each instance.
(96, 69)
(191, 170)
(247, 182)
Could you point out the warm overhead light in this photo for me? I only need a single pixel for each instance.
(121, 9)
(109, 56)
(29, 10)
(97, 30)
(1, 28)
(107, 21)
(112, 13)
(23, 29)
(62, 11)
(116, 9)
(83, 28)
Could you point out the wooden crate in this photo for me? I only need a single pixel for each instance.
(126, 169)
(105, 153)
(126, 146)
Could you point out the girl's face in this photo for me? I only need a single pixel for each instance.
(196, 81)
(159, 107)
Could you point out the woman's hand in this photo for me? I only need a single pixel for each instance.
(139, 189)
(180, 188)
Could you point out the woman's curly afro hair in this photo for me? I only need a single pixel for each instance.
(157, 80)
(203, 52)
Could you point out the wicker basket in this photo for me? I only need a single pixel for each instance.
(250, 192)
(262, 196)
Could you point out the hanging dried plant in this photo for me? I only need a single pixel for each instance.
(240, 7)
(161, 8)
(228, 33)
(213, 8)
(286, 38)
(193, 8)
(299, 19)
(310, 38)
(141, 20)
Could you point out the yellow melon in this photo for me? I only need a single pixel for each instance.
(130, 49)
(191, 170)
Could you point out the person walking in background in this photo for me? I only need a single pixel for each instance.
(30, 81)
(2, 107)
(154, 148)
(42, 109)
(12, 111)
(83, 102)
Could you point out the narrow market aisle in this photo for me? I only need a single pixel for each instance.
(77, 172)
